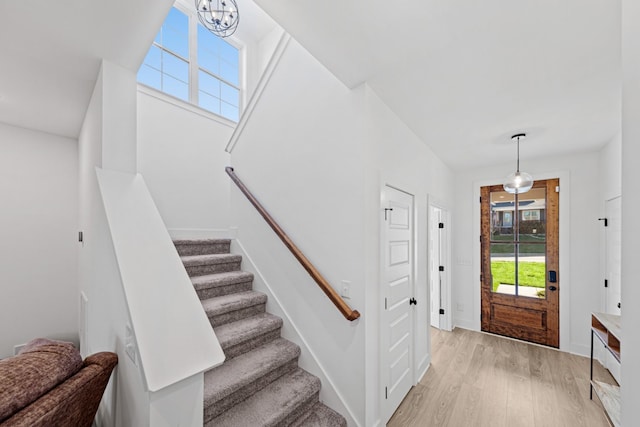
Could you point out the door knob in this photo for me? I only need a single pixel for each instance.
(552, 288)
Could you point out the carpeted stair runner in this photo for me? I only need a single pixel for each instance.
(260, 383)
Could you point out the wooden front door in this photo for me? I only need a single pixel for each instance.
(520, 278)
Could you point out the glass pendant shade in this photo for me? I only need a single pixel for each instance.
(518, 183)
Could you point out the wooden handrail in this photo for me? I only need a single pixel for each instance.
(337, 300)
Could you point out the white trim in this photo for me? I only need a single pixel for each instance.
(185, 105)
(426, 362)
(199, 233)
(565, 255)
(446, 321)
(257, 93)
(329, 392)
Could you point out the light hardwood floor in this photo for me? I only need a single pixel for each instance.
(478, 379)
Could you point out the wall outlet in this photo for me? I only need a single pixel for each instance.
(345, 289)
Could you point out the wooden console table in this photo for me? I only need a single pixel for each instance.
(607, 328)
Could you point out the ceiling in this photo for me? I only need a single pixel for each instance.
(465, 75)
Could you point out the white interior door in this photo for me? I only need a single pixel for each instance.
(397, 291)
(435, 251)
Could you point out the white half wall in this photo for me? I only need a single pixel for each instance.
(579, 242)
(38, 237)
(181, 156)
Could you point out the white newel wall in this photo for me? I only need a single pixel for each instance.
(579, 237)
(103, 328)
(38, 237)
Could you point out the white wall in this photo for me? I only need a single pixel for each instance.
(125, 401)
(630, 206)
(181, 156)
(38, 237)
(579, 242)
(299, 154)
(395, 156)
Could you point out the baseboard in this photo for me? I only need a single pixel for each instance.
(329, 390)
(464, 324)
(199, 233)
(423, 367)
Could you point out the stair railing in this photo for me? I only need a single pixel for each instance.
(337, 300)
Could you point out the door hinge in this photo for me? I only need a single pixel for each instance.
(606, 283)
(606, 221)
(442, 311)
(441, 225)
(80, 236)
(385, 212)
(385, 303)
(385, 393)
(557, 188)
(413, 301)
(441, 268)
(480, 199)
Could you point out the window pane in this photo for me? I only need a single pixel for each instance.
(531, 270)
(229, 72)
(209, 102)
(503, 269)
(150, 77)
(175, 33)
(209, 84)
(230, 112)
(230, 95)
(154, 58)
(175, 67)
(175, 87)
(217, 56)
(502, 211)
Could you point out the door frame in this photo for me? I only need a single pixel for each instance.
(565, 253)
(384, 413)
(445, 290)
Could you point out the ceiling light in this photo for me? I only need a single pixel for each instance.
(218, 16)
(518, 182)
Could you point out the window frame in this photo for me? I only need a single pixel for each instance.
(194, 68)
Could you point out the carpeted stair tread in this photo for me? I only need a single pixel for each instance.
(207, 259)
(233, 307)
(233, 302)
(218, 284)
(221, 279)
(320, 416)
(238, 378)
(278, 404)
(202, 246)
(234, 333)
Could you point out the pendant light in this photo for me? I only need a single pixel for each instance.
(221, 17)
(518, 182)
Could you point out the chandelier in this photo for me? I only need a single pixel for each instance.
(218, 16)
(518, 182)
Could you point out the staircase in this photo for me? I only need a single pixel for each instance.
(260, 383)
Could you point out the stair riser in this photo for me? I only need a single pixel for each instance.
(186, 249)
(218, 291)
(250, 344)
(232, 316)
(216, 408)
(201, 270)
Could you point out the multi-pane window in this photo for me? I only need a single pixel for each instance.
(207, 75)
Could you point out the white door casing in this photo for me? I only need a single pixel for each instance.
(397, 290)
